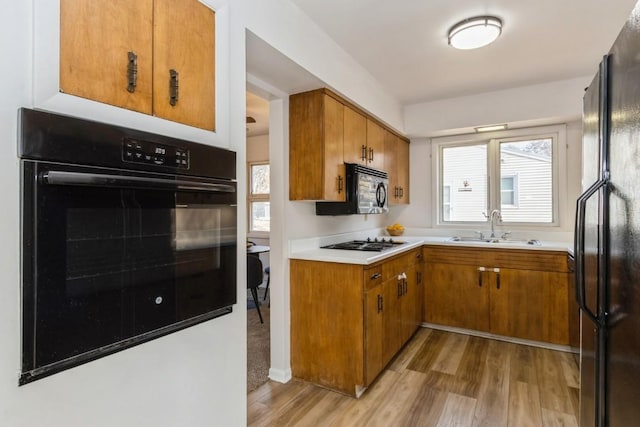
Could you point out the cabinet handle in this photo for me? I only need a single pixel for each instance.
(418, 277)
(395, 192)
(371, 154)
(363, 153)
(405, 287)
(497, 271)
(401, 192)
(399, 289)
(480, 271)
(339, 184)
(379, 303)
(375, 276)
(132, 71)
(173, 87)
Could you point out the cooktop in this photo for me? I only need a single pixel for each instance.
(373, 245)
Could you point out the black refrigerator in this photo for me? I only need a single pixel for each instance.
(607, 238)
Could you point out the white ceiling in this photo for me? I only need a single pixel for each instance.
(404, 46)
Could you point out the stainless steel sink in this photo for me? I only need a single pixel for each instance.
(461, 239)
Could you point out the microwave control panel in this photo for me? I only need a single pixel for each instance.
(138, 151)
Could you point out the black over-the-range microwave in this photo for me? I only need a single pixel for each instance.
(126, 236)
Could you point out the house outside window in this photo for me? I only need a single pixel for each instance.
(258, 195)
(515, 172)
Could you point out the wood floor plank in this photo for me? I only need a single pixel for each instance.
(358, 411)
(492, 407)
(428, 352)
(472, 365)
(569, 369)
(458, 411)
(451, 353)
(574, 394)
(554, 392)
(324, 411)
(401, 361)
(522, 364)
(401, 397)
(557, 419)
(427, 407)
(524, 405)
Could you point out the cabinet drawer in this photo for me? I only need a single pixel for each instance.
(459, 255)
(531, 260)
(399, 264)
(372, 277)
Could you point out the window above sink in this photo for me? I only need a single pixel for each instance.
(515, 172)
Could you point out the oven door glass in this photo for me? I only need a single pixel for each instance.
(111, 260)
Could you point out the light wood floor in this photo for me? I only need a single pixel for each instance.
(438, 379)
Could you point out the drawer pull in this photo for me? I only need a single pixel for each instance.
(480, 271)
(375, 276)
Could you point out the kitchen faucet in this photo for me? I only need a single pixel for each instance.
(492, 217)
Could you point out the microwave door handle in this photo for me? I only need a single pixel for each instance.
(118, 181)
(381, 195)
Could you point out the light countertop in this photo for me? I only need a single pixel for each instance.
(366, 258)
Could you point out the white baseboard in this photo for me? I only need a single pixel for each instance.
(547, 345)
(280, 375)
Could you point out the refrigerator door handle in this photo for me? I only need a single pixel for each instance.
(579, 247)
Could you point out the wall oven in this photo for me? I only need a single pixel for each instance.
(126, 236)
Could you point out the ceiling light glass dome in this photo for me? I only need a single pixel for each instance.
(475, 32)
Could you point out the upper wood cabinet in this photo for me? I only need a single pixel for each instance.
(316, 167)
(355, 137)
(396, 163)
(326, 131)
(138, 56)
(375, 145)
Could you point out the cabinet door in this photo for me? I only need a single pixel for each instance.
(95, 40)
(375, 145)
(355, 137)
(373, 334)
(184, 41)
(390, 165)
(408, 304)
(530, 305)
(391, 340)
(402, 170)
(457, 295)
(334, 173)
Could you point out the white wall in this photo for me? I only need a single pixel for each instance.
(543, 104)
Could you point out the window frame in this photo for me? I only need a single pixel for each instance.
(493, 140)
(257, 197)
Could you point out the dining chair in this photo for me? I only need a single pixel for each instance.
(254, 279)
(267, 271)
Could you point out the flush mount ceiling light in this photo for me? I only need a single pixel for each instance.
(475, 32)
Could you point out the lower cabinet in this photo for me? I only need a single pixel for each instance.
(515, 293)
(348, 321)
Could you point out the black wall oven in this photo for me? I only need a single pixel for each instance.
(127, 236)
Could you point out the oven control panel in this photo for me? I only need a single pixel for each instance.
(139, 151)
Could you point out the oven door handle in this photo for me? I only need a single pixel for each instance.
(118, 181)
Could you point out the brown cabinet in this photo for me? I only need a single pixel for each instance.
(375, 145)
(326, 131)
(137, 55)
(396, 163)
(348, 321)
(355, 137)
(316, 167)
(516, 293)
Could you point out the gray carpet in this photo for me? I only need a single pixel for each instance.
(258, 345)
